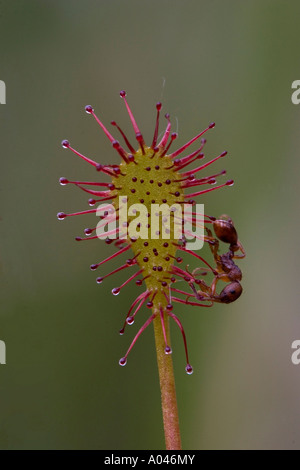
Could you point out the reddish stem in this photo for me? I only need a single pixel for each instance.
(167, 385)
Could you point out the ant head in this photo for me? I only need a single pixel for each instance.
(225, 231)
(230, 293)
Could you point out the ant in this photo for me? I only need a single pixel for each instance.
(226, 269)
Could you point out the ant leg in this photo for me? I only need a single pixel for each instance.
(242, 250)
(208, 239)
(214, 248)
(213, 245)
(209, 232)
(224, 277)
(214, 285)
(201, 271)
(204, 290)
(194, 290)
(204, 287)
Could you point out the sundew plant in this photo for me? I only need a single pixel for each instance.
(147, 214)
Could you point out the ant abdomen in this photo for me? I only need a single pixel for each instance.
(230, 293)
(225, 231)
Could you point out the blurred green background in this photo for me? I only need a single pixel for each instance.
(230, 62)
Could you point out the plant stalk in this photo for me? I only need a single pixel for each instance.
(167, 386)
